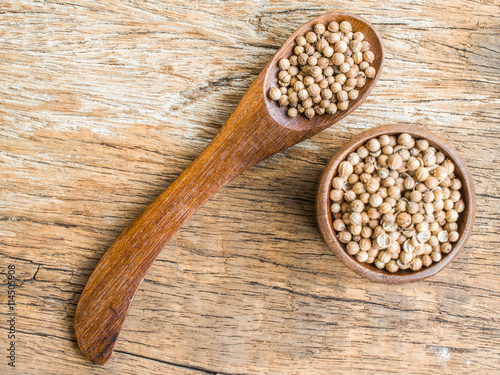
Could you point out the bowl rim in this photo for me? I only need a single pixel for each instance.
(323, 214)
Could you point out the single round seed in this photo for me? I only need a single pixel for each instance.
(325, 103)
(328, 73)
(332, 108)
(335, 208)
(356, 45)
(284, 64)
(344, 67)
(421, 173)
(440, 157)
(370, 72)
(451, 215)
(342, 106)
(406, 257)
(314, 90)
(431, 182)
(450, 167)
(300, 41)
(446, 247)
(345, 27)
(283, 101)
(435, 256)
(299, 85)
(392, 266)
(312, 61)
(365, 46)
(334, 38)
(309, 113)
(298, 50)
(315, 71)
(352, 248)
(356, 205)
(357, 57)
(404, 219)
(309, 49)
(362, 256)
(311, 37)
(395, 161)
(326, 93)
(319, 110)
(368, 56)
(338, 225)
(426, 260)
(307, 103)
(345, 169)
(429, 159)
(373, 145)
(323, 64)
(341, 47)
(404, 139)
(338, 58)
(292, 112)
(328, 51)
(456, 184)
(274, 93)
(341, 78)
(363, 65)
(308, 81)
(423, 237)
(416, 264)
(353, 95)
(459, 206)
(302, 58)
(319, 28)
(344, 236)
(302, 94)
(384, 240)
(342, 96)
(355, 218)
(333, 26)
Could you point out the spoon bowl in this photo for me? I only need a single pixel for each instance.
(322, 121)
(256, 129)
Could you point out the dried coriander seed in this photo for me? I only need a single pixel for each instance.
(274, 93)
(292, 112)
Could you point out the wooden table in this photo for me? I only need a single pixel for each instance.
(104, 103)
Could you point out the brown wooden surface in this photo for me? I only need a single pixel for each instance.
(104, 104)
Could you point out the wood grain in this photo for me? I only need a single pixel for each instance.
(104, 104)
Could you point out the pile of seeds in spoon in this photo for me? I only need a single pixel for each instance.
(328, 67)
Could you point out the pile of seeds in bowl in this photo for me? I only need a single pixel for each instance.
(328, 67)
(396, 202)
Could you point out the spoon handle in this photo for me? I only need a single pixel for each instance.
(107, 297)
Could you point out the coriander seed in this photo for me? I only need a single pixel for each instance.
(274, 93)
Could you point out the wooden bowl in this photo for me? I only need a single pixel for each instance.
(324, 216)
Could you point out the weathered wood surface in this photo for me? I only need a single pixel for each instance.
(103, 104)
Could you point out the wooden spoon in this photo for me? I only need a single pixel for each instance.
(256, 129)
